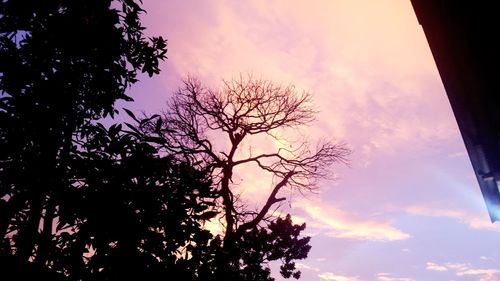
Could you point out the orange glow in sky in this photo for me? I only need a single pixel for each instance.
(409, 207)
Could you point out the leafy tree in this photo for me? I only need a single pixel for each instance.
(241, 110)
(134, 214)
(64, 63)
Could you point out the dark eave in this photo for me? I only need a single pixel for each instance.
(463, 38)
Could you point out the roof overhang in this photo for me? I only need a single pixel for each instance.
(462, 36)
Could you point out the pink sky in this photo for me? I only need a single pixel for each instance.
(409, 207)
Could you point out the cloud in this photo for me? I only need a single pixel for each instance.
(303, 266)
(329, 276)
(339, 224)
(457, 154)
(435, 267)
(462, 269)
(473, 221)
(456, 266)
(296, 43)
(389, 277)
(484, 273)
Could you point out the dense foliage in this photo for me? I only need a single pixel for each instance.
(63, 65)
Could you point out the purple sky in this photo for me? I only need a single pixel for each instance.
(408, 207)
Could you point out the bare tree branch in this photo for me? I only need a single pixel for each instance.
(240, 109)
(271, 200)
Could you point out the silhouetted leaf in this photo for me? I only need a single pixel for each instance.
(131, 114)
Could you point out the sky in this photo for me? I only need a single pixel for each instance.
(408, 207)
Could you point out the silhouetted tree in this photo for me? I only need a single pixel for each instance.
(63, 64)
(242, 109)
(134, 213)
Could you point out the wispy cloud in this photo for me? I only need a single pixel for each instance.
(304, 266)
(340, 224)
(472, 220)
(330, 276)
(457, 154)
(456, 266)
(462, 269)
(435, 267)
(390, 277)
(484, 273)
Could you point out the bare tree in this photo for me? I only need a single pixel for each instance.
(207, 127)
(243, 108)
